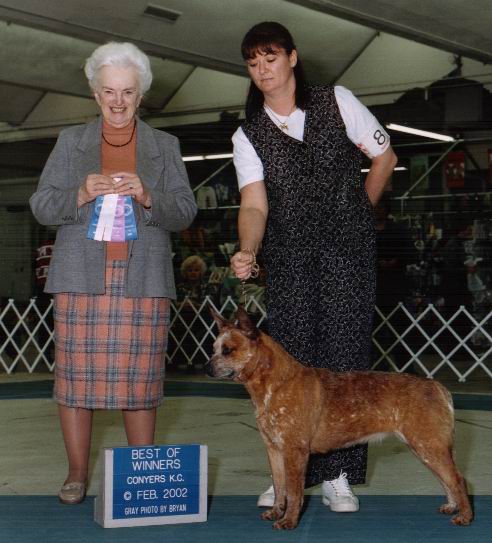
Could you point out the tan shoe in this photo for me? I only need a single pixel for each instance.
(72, 493)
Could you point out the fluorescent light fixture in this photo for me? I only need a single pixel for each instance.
(206, 157)
(417, 132)
(193, 158)
(216, 157)
(397, 169)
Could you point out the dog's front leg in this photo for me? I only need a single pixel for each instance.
(278, 473)
(295, 462)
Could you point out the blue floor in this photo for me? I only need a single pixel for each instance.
(235, 519)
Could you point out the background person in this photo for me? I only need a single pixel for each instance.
(193, 284)
(192, 291)
(302, 197)
(111, 298)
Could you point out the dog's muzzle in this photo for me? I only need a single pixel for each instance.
(213, 369)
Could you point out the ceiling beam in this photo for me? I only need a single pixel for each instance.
(177, 89)
(394, 27)
(29, 111)
(42, 88)
(83, 32)
(355, 58)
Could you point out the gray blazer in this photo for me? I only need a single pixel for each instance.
(78, 264)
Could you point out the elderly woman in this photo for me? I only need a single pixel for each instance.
(111, 298)
(193, 270)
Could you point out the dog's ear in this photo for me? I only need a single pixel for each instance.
(245, 324)
(219, 320)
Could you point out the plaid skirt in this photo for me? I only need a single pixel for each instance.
(109, 350)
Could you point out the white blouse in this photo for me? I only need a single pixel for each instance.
(363, 129)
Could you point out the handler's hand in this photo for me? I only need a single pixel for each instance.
(94, 185)
(242, 264)
(129, 184)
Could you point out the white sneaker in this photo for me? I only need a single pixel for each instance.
(338, 495)
(266, 499)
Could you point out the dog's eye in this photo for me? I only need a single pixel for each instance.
(226, 351)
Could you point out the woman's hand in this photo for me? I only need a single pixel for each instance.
(379, 174)
(94, 185)
(252, 219)
(243, 264)
(129, 184)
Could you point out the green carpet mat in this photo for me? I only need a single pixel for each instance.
(235, 519)
(43, 389)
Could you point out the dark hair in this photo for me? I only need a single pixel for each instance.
(264, 37)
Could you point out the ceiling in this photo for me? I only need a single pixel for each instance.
(379, 49)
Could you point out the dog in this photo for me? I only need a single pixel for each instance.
(302, 410)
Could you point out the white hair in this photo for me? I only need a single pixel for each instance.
(192, 261)
(119, 54)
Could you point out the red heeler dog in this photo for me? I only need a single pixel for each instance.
(301, 410)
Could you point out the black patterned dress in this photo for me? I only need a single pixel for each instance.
(319, 252)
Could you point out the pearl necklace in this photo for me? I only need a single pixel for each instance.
(281, 124)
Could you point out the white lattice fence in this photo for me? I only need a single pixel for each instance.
(430, 343)
(459, 345)
(26, 336)
(191, 332)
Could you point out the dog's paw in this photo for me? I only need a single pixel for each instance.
(285, 524)
(462, 520)
(447, 509)
(268, 515)
(272, 514)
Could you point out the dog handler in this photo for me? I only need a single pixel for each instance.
(298, 163)
(111, 298)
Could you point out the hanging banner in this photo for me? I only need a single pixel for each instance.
(454, 170)
(43, 260)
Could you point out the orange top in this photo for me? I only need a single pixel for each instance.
(118, 159)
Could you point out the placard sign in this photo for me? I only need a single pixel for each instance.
(162, 484)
